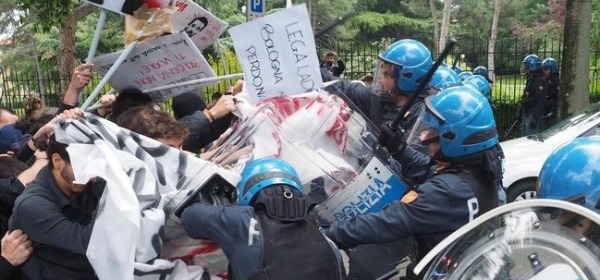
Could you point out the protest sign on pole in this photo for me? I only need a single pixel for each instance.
(278, 54)
(168, 59)
(127, 7)
(202, 26)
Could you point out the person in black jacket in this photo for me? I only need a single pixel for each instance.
(550, 70)
(533, 102)
(333, 63)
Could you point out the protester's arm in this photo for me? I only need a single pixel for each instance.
(82, 75)
(200, 124)
(30, 173)
(45, 223)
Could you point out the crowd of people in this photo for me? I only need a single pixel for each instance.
(452, 159)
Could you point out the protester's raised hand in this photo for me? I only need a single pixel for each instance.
(16, 247)
(106, 102)
(237, 88)
(48, 129)
(82, 75)
(224, 106)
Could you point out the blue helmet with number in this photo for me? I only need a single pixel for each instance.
(442, 78)
(480, 84)
(412, 59)
(464, 75)
(550, 63)
(573, 171)
(531, 62)
(262, 173)
(463, 119)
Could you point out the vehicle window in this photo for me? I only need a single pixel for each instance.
(590, 114)
(591, 132)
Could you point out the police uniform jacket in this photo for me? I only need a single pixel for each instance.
(235, 228)
(441, 204)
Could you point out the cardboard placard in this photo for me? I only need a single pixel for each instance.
(164, 60)
(278, 54)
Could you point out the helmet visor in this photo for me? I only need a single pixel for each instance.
(386, 80)
(425, 130)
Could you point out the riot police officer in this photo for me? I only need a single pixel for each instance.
(534, 95)
(398, 72)
(550, 70)
(267, 235)
(466, 182)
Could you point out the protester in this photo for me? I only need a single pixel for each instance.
(9, 134)
(58, 216)
(466, 183)
(267, 235)
(187, 103)
(534, 95)
(82, 75)
(203, 124)
(157, 125)
(332, 63)
(550, 70)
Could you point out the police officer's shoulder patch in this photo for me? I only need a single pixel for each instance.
(409, 197)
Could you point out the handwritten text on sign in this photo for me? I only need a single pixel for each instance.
(202, 26)
(165, 60)
(278, 54)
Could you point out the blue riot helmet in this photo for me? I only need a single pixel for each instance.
(460, 118)
(442, 78)
(550, 63)
(531, 63)
(263, 173)
(406, 62)
(464, 75)
(457, 69)
(572, 172)
(480, 84)
(482, 71)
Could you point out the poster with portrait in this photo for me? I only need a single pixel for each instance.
(203, 27)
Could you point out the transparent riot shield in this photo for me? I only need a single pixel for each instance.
(532, 239)
(331, 145)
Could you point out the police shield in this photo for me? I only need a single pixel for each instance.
(532, 239)
(329, 143)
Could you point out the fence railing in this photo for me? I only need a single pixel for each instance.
(360, 57)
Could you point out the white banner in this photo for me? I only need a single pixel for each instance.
(164, 60)
(202, 26)
(278, 54)
(127, 7)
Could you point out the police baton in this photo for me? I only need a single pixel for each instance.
(451, 43)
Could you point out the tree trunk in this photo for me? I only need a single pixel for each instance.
(574, 80)
(445, 24)
(436, 25)
(66, 58)
(492, 42)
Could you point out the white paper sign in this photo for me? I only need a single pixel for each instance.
(202, 26)
(278, 54)
(168, 59)
(127, 7)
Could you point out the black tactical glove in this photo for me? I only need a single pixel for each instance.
(392, 139)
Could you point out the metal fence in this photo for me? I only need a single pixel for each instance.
(359, 56)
